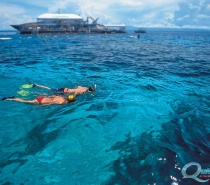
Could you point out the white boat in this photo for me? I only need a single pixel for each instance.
(65, 23)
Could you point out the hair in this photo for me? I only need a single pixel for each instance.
(73, 100)
(91, 89)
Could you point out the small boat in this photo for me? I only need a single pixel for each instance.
(6, 38)
(140, 30)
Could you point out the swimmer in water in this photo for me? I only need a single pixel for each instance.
(45, 100)
(64, 90)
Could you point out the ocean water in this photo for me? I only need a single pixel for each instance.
(148, 118)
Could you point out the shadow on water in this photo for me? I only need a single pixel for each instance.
(97, 109)
(157, 157)
(149, 87)
(35, 141)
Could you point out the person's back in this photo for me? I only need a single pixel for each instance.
(79, 90)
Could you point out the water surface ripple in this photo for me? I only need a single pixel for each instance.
(148, 118)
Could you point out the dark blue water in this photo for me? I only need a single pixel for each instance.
(148, 118)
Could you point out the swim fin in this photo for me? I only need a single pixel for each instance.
(27, 86)
(23, 92)
(5, 98)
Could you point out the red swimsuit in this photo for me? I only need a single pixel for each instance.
(40, 98)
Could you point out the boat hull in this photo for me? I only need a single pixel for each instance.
(33, 28)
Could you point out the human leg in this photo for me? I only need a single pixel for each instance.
(42, 86)
(22, 100)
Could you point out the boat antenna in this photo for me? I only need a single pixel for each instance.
(59, 11)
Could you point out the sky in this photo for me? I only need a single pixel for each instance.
(139, 13)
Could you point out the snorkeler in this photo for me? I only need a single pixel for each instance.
(45, 100)
(64, 90)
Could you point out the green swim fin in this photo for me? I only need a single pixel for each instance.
(27, 86)
(23, 93)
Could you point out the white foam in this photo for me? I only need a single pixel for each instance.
(6, 38)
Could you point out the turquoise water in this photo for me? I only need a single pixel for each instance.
(147, 119)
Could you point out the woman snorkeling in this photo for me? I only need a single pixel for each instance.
(45, 100)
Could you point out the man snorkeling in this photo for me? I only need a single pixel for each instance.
(45, 100)
(65, 90)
